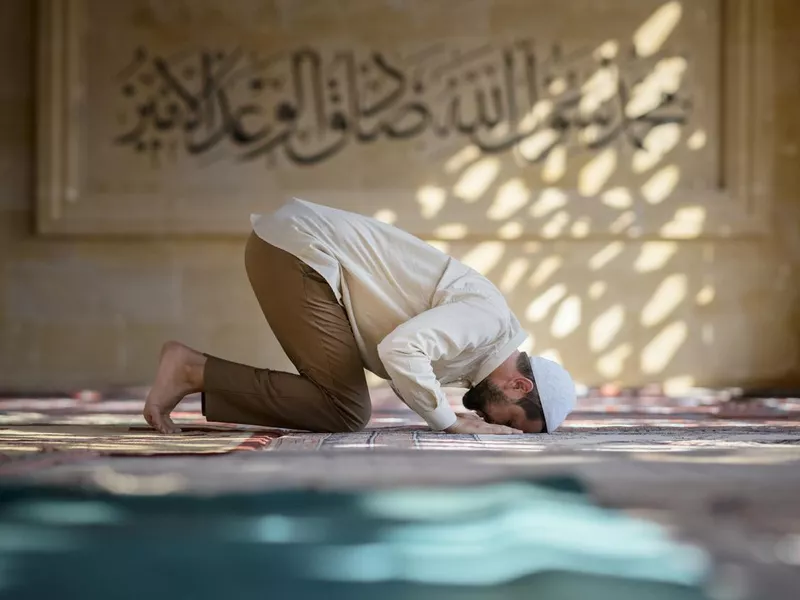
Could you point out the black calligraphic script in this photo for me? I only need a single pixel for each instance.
(307, 105)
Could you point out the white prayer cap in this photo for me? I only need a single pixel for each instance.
(556, 390)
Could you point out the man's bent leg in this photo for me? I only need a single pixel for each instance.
(236, 393)
(330, 393)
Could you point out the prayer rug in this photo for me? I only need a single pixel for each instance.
(76, 429)
(121, 440)
(650, 437)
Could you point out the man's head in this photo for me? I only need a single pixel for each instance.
(530, 394)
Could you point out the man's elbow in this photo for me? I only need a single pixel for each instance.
(392, 349)
(387, 349)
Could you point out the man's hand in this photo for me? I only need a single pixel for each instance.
(468, 415)
(473, 424)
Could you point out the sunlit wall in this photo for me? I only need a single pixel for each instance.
(585, 175)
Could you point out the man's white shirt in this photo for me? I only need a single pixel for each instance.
(421, 318)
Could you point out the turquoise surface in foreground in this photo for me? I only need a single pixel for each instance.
(507, 540)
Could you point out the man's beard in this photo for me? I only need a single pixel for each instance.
(480, 396)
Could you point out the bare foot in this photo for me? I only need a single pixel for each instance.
(180, 372)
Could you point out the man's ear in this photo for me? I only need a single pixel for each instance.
(522, 384)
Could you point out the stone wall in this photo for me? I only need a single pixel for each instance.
(620, 280)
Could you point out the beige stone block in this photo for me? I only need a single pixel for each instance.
(219, 295)
(20, 357)
(237, 342)
(73, 290)
(44, 356)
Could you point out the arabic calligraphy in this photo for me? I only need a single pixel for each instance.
(308, 105)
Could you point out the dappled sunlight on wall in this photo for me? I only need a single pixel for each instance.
(551, 354)
(657, 144)
(536, 116)
(514, 273)
(680, 384)
(581, 227)
(462, 158)
(511, 230)
(687, 223)
(623, 222)
(606, 255)
(555, 226)
(451, 231)
(574, 169)
(544, 270)
(476, 179)
(558, 221)
(660, 350)
(534, 147)
(567, 318)
(652, 34)
(605, 327)
(659, 187)
(431, 200)
(549, 199)
(697, 140)
(555, 165)
(598, 197)
(485, 256)
(612, 364)
(618, 197)
(705, 296)
(668, 296)
(597, 289)
(538, 309)
(654, 255)
(596, 173)
(386, 215)
(665, 79)
(440, 246)
(510, 198)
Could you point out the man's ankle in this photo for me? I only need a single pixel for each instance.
(195, 373)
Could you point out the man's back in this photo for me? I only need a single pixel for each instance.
(382, 275)
(328, 238)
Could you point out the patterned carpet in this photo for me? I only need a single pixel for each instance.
(37, 431)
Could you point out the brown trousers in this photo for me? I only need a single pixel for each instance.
(330, 393)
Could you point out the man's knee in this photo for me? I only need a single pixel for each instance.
(355, 412)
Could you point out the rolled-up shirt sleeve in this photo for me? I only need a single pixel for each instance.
(441, 333)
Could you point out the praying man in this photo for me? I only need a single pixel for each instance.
(343, 292)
